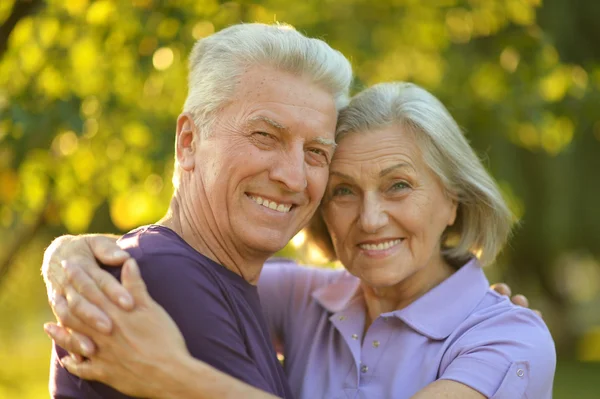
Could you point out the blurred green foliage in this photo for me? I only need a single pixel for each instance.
(90, 91)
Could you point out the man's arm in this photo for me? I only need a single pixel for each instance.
(146, 355)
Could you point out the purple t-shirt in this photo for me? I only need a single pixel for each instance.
(217, 311)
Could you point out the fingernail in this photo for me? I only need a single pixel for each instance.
(49, 329)
(134, 271)
(120, 254)
(125, 301)
(103, 326)
(85, 348)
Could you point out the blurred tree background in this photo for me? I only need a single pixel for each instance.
(90, 91)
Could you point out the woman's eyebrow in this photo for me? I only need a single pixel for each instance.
(402, 165)
(342, 175)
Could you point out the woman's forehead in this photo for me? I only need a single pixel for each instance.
(380, 149)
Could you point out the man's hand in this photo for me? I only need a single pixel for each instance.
(519, 299)
(70, 266)
(144, 352)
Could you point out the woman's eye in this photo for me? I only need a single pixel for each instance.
(341, 191)
(399, 186)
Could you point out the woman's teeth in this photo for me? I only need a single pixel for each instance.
(380, 246)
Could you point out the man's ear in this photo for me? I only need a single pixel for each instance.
(185, 141)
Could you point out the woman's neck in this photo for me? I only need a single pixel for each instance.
(380, 300)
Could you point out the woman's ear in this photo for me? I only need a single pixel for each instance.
(185, 141)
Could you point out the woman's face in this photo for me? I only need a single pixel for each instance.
(384, 208)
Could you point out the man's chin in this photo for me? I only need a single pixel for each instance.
(268, 244)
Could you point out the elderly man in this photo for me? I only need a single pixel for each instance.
(252, 147)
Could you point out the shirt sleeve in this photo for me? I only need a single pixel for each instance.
(507, 356)
(285, 289)
(203, 312)
(275, 287)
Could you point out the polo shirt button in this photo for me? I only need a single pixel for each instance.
(520, 373)
(375, 344)
(354, 336)
(342, 318)
(364, 368)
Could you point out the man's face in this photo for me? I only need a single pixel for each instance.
(265, 166)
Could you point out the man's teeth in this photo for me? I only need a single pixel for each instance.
(380, 246)
(272, 204)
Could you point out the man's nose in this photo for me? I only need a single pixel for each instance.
(373, 215)
(290, 170)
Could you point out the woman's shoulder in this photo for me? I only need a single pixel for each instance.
(501, 347)
(496, 317)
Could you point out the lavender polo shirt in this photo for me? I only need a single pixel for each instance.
(217, 311)
(460, 330)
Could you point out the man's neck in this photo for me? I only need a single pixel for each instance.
(201, 232)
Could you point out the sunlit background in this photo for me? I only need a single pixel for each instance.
(90, 91)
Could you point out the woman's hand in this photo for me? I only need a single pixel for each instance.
(141, 354)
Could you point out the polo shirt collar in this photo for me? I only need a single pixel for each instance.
(440, 311)
(337, 295)
(459, 294)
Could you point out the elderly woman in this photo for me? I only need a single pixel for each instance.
(412, 215)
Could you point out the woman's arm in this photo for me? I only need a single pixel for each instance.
(446, 389)
(157, 363)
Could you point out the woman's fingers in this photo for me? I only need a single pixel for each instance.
(87, 370)
(81, 314)
(133, 282)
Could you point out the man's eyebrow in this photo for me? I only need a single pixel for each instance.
(275, 124)
(279, 126)
(401, 165)
(327, 142)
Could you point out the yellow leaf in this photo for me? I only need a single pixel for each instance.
(32, 57)
(51, 83)
(48, 31)
(22, 32)
(100, 12)
(137, 134)
(554, 86)
(77, 213)
(9, 186)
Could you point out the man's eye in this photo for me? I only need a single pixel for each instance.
(264, 134)
(318, 155)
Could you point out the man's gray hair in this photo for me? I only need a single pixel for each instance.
(484, 220)
(219, 59)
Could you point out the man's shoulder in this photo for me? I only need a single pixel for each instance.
(166, 261)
